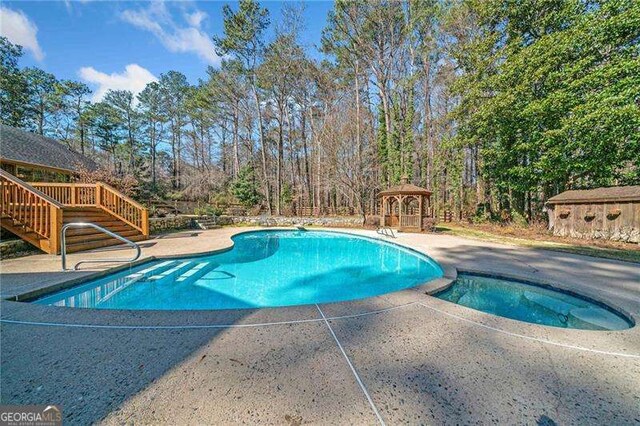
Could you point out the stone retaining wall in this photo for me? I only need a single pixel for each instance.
(330, 222)
(158, 225)
(173, 223)
(15, 248)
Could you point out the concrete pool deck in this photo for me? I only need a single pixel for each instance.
(403, 357)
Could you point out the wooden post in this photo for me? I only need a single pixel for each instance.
(55, 215)
(98, 194)
(420, 212)
(383, 210)
(73, 194)
(145, 222)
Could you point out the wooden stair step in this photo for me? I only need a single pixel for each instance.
(72, 232)
(27, 235)
(99, 236)
(73, 248)
(104, 224)
(85, 214)
(69, 209)
(24, 228)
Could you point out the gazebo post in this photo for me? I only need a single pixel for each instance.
(383, 210)
(420, 211)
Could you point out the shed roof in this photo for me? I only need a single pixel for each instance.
(598, 195)
(24, 147)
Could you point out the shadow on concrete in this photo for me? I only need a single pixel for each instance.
(13, 284)
(421, 368)
(89, 372)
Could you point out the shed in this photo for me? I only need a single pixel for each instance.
(602, 213)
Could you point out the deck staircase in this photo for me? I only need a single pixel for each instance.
(37, 211)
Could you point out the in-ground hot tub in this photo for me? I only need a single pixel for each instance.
(533, 303)
(264, 269)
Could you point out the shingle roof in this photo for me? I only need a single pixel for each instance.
(404, 189)
(605, 194)
(26, 147)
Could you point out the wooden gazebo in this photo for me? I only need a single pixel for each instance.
(405, 206)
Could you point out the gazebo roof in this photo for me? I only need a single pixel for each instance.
(405, 188)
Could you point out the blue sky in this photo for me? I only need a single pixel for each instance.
(109, 44)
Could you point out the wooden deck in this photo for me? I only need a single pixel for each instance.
(37, 211)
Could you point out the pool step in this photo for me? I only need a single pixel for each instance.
(194, 273)
(160, 267)
(596, 319)
(136, 277)
(550, 304)
(173, 272)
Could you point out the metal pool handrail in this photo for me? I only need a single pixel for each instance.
(382, 230)
(63, 244)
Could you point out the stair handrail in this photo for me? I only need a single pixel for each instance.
(30, 188)
(126, 197)
(143, 226)
(63, 245)
(49, 211)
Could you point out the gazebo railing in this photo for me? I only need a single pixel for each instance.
(410, 221)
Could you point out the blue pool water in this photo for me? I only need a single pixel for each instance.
(530, 303)
(264, 269)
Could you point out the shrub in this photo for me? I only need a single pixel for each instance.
(207, 210)
(245, 188)
(518, 219)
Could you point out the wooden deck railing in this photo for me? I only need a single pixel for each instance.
(99, 195)
(30, 208)
(123, 207)
(69, 194)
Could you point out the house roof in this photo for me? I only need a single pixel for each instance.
(604, 194)
(24, 147)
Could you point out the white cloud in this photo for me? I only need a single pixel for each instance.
(19, 29)
(134, 78)
(195, 19)
(176, 38)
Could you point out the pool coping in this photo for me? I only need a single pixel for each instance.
(449, 273)
(28, 313)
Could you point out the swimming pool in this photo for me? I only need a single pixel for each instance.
(264, 269)
(531, 303)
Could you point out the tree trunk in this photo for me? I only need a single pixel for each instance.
(303, 136)
(236, 160)
(279, 160)
(263, 151)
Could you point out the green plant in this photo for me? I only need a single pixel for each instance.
(518, 219)
(207, 210)
(245, 188)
